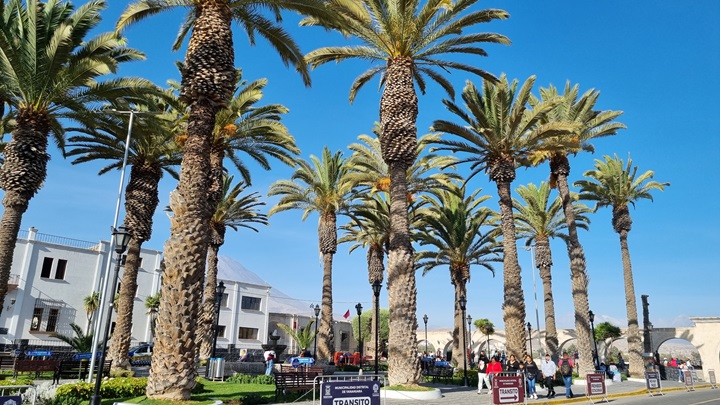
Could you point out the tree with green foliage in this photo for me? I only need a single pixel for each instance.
(304, 337)
(406, 41)
(91, 303)
(487, 328)
(81, 342)
(321, 185)
(498, 133)
(617, 185)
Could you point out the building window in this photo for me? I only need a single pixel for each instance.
(46, 267)
(221, 331)
(52, 319)
(252, 303)
(36, 319)
(46, 271)
(60, 271)
(224, 301)
(248, 333)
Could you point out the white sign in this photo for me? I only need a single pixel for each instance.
(352, 401)
(653, 383)
(596, 388)
(508, 395)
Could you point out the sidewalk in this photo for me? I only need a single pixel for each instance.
(457, 395)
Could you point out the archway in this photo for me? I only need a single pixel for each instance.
(672, 353)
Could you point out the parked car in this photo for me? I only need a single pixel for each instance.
(141, 355)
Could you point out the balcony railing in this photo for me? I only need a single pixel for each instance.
(59, 240)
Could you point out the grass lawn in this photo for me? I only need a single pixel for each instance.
(229, 393)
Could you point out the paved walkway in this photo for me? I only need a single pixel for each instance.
(457, 395)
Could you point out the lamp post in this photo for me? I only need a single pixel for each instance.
(121, 237)
(652, 351)
(317, 313)
(376, 286)
(463, 305)
(469, 321)
(358, 308)
(219, 292)
(592, 327)
(425, 319)
(529, 326)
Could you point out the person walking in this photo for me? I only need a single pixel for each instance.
(566, 367)
(269, 361)
(531, 373)
(548, 373)
(483, 378)
(512, 365)
(493, 368)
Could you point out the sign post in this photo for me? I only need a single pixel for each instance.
(508, 389)
(350, 393)
(12, 400)
(713, 381)
(595, 385)
(689, 381)
(652, 382)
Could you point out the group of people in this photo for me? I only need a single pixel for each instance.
(488, 368)
(682, 366)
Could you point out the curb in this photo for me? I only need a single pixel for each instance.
(584, 398)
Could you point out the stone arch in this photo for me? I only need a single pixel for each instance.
(430, 346)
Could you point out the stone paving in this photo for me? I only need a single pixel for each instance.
(457, 395)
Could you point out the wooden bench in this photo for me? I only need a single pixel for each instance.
(440, 373)
(295, 381)
(7, 363)
(34, 366)
(79, 369)
(288, 368)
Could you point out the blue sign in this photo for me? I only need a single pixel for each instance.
(301, 361)
(350, 393)
(38, 353)
(86, 356)
(13, 400)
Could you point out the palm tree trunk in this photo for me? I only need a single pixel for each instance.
(21, 176)
(560, 169)
(398, 115)
(459, 352)
(207, 319)
(376, 269)
(326, 333)
(514, 299)
(122, 334)
(207, 84)
(633, 333)
(403, 363)
(543, 260)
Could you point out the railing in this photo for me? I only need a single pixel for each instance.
(60, 240)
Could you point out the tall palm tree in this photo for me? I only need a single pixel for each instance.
(452, 228)
(499, 133)
(151, 152)
(51, 70)
(321, 185)
(537, 220)
(237, 209)
(407, 40)
(152, 303)
(91, 303)
(617, 185)
(487, 328)
(590, 124)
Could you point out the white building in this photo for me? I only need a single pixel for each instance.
(51, 276)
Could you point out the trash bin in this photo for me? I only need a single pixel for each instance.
(216, 368)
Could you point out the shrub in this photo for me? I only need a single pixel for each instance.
(111, 388)
(240, 378)
(17, 381)
(253, 399)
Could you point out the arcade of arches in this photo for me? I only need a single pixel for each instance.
(704, 336)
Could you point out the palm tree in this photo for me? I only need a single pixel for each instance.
(91, 304)
(487, 328)
(407, 40)
(323, 186)
(590, 124)
(81, 342)
(152, 150)
(617, 185)
(304, 337)
(499, 134)
(152, 303)
(237, 209)
(452, 227)
(536, 222)
(51, 70)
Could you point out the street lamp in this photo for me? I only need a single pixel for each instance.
(529, 326)
(122, 238)
(463, 305)
(376, 286)
(592, 326)
(317, 313)
(219, 292)
(469, 321)
(425, 319)
(358, 308)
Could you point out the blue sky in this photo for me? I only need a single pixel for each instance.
(657, 61)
